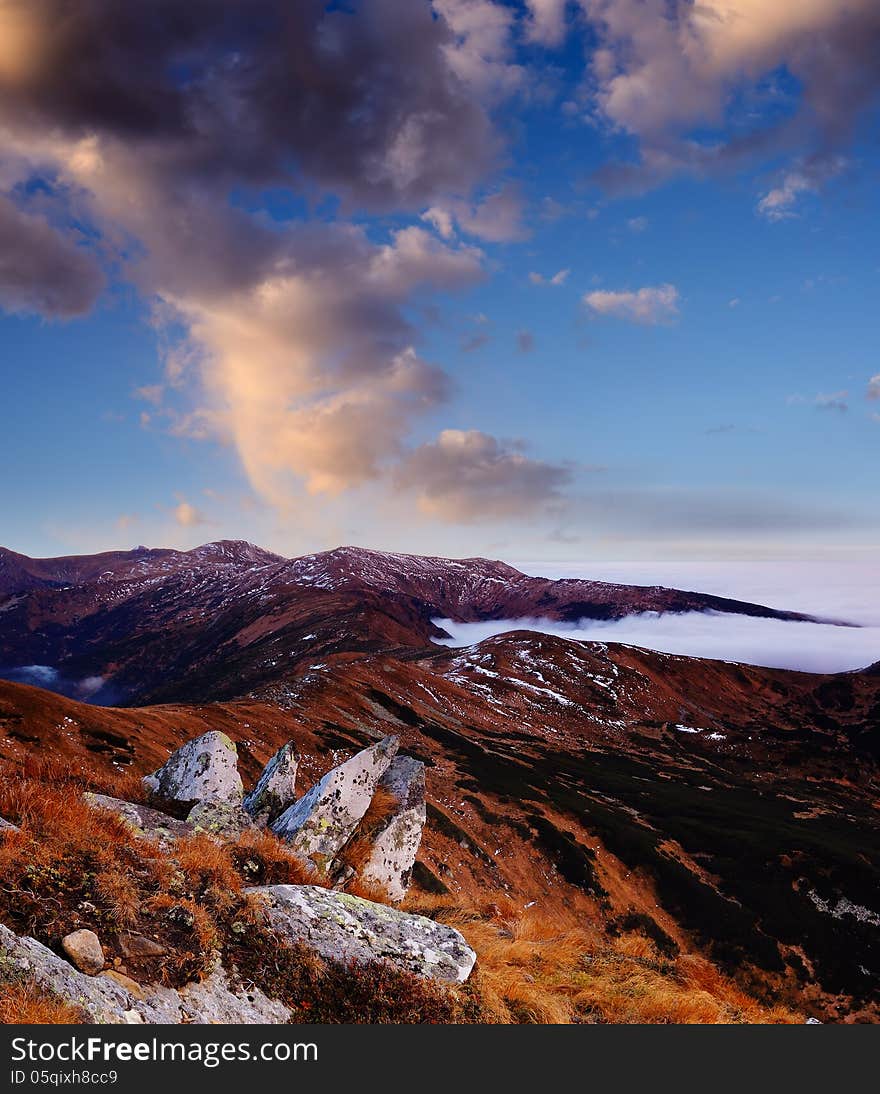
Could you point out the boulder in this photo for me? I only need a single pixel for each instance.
(276, 787)
(322, 821)
(145, 823)
(135, 947)
(113, 999)
(84, 950)
(7, 826)
(203, 770)
(396, 842)
(342, 927)
(219, 819)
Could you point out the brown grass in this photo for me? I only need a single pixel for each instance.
(537, 965)
(24, 1003)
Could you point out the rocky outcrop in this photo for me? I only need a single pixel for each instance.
(203, 770)
(144, 822)
(342, 927)
(84, 950)
(117, 999)
(396, 841)
(322, 821)
(276, 787)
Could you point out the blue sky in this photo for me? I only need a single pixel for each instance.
(300, 346)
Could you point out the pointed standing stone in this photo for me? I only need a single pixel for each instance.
(396, 843)
(276, 787)
(203, 770)
(322, 821)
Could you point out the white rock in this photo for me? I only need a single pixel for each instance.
(342, 927)
(396, 843)
(202, 770)
(322, 821)
(276, 787)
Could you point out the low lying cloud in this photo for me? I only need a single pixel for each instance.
(466, 475)
(807, 647)
(648, 306)
(42, 270)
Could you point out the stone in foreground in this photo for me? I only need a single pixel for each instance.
(276, 787)
(320, 824)
(145, 823)
(396, 843)
(342, 927)
(212, 1001)
(84, 950)
(203, 770)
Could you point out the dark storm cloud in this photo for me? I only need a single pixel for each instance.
(362, 102)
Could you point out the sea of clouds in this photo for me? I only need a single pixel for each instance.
(847, 593)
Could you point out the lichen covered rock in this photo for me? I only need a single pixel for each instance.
(276, 787)
(396, 842)
(222, 820)
(144, 822)
(203, 770)
(322, 821)
(342, 927)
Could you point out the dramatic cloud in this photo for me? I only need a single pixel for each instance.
(662, 70)
(290, 340)
(648, 306)
(41, 270)
(470, 476)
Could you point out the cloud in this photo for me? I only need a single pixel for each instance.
(546, 22)
(42, 270)
(466, 475)
(481, 52)
(558, 279)
(525, 341)
(834, 401)
(808, 647)
(873, 391)
(637, 224)
(664, 71)
(150, 393)
(497, 218)
(650, 306)
(187, 516)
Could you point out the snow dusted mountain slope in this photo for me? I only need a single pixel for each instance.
(228, 618)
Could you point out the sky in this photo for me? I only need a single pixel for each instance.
(543, 280)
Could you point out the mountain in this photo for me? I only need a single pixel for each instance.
(228, 618)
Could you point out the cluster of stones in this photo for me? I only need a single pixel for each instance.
(199, 789)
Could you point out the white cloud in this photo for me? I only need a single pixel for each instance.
(546, 22)
(650, 305)
(874, 387)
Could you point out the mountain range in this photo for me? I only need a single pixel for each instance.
(731, 808)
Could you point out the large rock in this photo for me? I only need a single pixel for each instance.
(203, 770)
(84, 950)
(112, 999)
(396, 842)
(276, 787)
(145, 823)
(322, 821)
(219, 819)
(342, 927)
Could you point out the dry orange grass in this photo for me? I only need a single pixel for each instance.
(536, 965)
(26, 1004)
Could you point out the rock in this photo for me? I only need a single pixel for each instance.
(342, 927)
(396, 843)
(136, 947)
(84, 950)
(110, 999)
(7, 826)
(144, 822)
(321, 822)
(276, 787)
(203, 770)
(219, 819)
